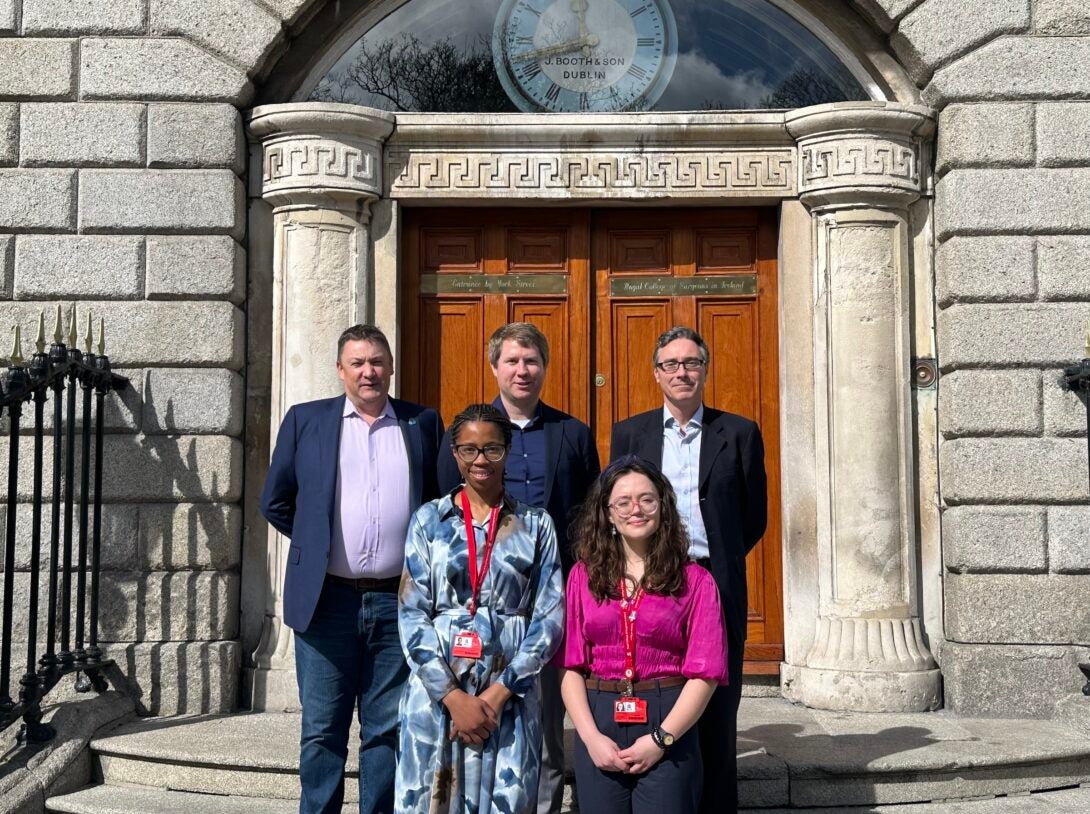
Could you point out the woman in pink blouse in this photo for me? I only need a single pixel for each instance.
(645, 648)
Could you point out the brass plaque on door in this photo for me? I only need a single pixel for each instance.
(493, 284)
(722, 285)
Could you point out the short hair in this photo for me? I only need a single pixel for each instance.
(524, 334)
(365, 333)
(484, 413)
(680, 332)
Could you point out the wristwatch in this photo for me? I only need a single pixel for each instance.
(663, 739)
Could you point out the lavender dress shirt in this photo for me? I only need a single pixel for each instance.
(371, 515)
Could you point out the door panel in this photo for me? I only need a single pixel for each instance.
(602, 286)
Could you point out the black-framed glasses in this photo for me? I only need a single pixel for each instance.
(671, 365)
(625, 506)
(468, 452)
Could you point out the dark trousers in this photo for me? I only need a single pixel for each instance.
(349, 656)
(550, 789)
(718, 728)
(672, 786)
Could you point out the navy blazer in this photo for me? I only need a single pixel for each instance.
(299, 497)
(733, 498)
(570, 470)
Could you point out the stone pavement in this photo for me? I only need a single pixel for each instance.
(789, 758)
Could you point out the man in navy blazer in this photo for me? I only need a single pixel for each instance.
(552, 464)
(346, 474)
(715, 462)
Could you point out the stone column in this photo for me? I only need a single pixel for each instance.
(321, 171)
(861, 166)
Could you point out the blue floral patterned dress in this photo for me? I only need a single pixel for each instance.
(519, 620)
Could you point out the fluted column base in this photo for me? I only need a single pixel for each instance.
(866, 665)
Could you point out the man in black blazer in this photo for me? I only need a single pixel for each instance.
(346, 474)
(552, 465)
(715, 462)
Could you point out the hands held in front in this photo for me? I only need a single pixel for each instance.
(636, 759)
(473, 717)
(641, 755)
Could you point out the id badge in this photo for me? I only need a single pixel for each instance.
(629, 710)
(466, 646)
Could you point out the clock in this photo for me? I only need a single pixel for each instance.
(584, 55)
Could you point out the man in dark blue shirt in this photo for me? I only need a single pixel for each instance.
(552, 465)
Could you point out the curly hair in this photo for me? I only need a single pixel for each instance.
(600, 551)
(481, 413)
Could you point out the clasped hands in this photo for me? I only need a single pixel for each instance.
(475, 717)
(636, 759)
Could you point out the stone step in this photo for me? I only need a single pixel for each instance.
(143, 800)
(1067, 801)
(789, 757)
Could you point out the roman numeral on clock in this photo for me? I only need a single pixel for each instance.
(638, 72)
(524, 40)
(637, 12)
(553, 93)
(530, 70)
(584, 101)
(532, 10)
(645, 42)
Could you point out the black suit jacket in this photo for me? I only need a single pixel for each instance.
(733, 498)
(299, 497)
(570, 469)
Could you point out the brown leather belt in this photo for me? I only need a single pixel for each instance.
(605, 685)
(386, 585)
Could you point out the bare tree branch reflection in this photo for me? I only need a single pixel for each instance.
(404, 74)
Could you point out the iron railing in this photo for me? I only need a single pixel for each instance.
(71, 641)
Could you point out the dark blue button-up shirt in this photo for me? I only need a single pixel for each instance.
(524, 477)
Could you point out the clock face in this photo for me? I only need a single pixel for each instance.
(584, 55)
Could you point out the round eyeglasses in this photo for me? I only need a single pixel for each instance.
(671, 365)
(626, 505)
(493, 453)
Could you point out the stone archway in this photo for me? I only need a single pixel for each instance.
(854, 167)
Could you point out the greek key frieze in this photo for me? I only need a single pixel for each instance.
(859, 160)
(418, 173)
(320, 163)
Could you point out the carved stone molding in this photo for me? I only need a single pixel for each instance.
(865, 153)
(578, 173)
(320, 154)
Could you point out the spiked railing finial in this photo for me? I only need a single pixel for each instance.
(17, 348)
(39, 342)
(72, 338)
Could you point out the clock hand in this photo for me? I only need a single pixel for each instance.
(589, 41)
(580, 8)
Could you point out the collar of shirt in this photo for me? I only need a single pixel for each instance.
(498, 404)
(669, 422)
(448, 505)
(350, 410)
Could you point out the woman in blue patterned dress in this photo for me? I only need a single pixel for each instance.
(476, 638)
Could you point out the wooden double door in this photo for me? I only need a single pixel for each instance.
(602, 286)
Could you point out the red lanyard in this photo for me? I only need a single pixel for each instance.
(476, 577)
(628, 630)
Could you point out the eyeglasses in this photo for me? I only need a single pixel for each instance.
(626, 505)
(468, 453)
(671, 365)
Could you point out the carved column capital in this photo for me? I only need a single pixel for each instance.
(320, 154)
(865, 153)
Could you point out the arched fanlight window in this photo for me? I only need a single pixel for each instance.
(489, 56)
